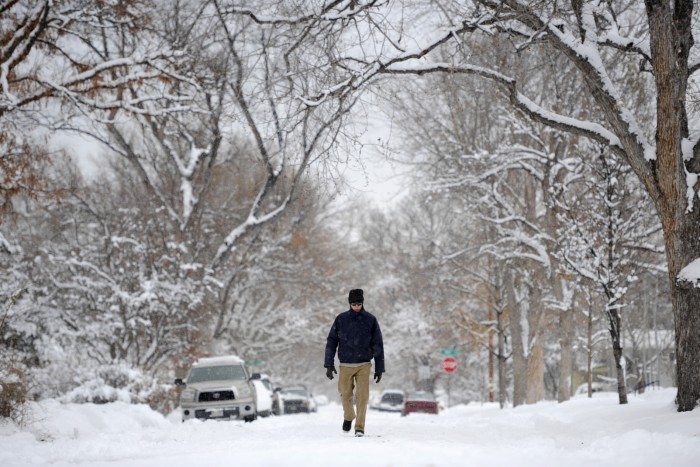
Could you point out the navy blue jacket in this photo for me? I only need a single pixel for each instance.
(358, 339)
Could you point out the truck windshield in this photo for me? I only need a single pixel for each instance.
(216, 373)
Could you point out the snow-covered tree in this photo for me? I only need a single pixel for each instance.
(57, 58)
(637, 63)
(604, 228)
(506, 178)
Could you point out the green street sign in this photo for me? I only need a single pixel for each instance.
(254, 362)
(449, 352)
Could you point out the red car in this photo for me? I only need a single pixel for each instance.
(420, 402)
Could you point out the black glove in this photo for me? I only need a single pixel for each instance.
(329, 372)
(377, 377)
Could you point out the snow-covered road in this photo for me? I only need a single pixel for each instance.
(582, 432)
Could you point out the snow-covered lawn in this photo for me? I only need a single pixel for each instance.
(583, 432)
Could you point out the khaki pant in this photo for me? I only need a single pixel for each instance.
(349, 379)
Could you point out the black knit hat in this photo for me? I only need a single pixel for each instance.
(356, 296)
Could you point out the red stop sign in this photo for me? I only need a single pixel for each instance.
(449, 364)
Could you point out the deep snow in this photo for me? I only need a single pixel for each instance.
(582, 432)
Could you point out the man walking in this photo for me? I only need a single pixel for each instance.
(356, 336)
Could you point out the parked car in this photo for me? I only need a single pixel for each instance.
(263, 394)
(391, 400)
(420, 401)
(218, 388)
(295, 399)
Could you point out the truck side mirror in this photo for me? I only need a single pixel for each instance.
(180, 382)
(255, 376)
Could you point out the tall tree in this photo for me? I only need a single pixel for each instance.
(605, 232)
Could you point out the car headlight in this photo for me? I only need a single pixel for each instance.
(188, 395)
(242, 390)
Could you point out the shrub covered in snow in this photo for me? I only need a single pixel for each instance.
(119, 382)
(13, 392)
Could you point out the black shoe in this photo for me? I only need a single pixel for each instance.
(359, 433)
(346, 425)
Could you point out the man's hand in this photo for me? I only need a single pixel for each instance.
(329, 372)
(377, 377)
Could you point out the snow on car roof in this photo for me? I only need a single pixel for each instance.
(294, 387)
(222, 360)
(421, 396)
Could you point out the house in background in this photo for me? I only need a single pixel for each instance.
(650, 360)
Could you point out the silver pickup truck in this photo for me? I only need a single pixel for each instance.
(218, 388)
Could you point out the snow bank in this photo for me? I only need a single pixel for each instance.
(582, 432)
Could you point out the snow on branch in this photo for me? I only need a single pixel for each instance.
(626, 44)
(252, 221)
(592, 130)
(586, 55)
(693, 66)
(334, 11)
(5, 245)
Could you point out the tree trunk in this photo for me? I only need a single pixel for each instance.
(686, 305)
(670, 40)
(589, 353)
(566, 363)
(491, 354)
(501, 360)
(535, 373)
(616, 336)
(536, 321)
(516, 333)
